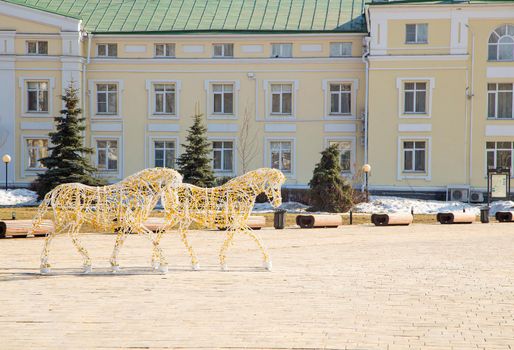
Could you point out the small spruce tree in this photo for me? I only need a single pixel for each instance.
(67, 161)
(195, 164)
(329, 191)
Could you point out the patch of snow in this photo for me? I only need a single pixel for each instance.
(290, 207)
(17, 197)
(384, 204)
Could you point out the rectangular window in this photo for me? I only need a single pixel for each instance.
(499, 154)
(281, 99)
(223, 156)
(107, 50)
(415, 97)
(164, 50)
(37, 96)
(499, 101)
(107, 155)
(281, 155)
(414, 156)
(340, 49)
(37, 47)
(223, 98)
(107, 98)
(164, 154)
(340, 98)
(36, 149)
(281, 50)
(345, 154)
(416, 33)
(223, 50)
(164, 98)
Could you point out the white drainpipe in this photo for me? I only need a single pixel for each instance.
(366, 62)
(471, 93)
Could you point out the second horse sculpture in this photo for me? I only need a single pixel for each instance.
(227, 206)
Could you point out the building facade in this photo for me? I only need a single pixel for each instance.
(432, 82)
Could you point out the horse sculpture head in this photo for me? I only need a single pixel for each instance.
(272, 181)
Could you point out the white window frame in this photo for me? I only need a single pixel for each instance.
(115, 174)
(160, 139)
(150, 154)
(353, 154)
(219, 173)
(340, 45)
(268, 99)
(495, 92)
(208, 86)
(267, 153)
(427, 174)
(400, 83)
(495, 155)
(92, 84)
(22, 83)
(326, 95)
(24, 170)
(281, 50)
(172, 47)
(497, 44)
(416, 39)
(106, 50)
(151, 99)
(37, 47)
(223, 49)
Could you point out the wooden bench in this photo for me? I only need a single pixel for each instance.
(392, 219)
(255, 222)
(504, 216)
(21, 228)
(456, 217)
(319, 221)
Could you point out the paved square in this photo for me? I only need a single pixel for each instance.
(359, 287)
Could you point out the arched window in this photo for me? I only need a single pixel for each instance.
(501, 43)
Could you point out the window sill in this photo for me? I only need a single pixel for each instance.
(511, 118)
(164, 57)
(163, 116)
(222, 57)
(37, 115)
(222, 116)
(415, 116)
(416, 43)
(340, 117)
(106, 117)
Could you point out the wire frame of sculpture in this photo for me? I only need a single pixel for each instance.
(227, 206)
(122, 207)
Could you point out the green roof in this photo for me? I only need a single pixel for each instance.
(437, 2)
(197, 16)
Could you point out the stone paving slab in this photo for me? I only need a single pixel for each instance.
(359, 287)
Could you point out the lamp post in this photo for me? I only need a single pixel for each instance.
(6, 159)
(366, 168)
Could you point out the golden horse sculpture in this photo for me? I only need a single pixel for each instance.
(121, 207)
(227, 206)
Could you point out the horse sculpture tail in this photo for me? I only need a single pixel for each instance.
(42, 209)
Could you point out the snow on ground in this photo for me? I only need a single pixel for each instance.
(18, 197)
(383, 204)
(290, 207)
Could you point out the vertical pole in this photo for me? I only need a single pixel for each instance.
(6, 173)
(367, 192)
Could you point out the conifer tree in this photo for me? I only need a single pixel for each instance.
(195, 163)
(329, 191)
(67, 161)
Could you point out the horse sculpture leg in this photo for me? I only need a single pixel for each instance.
(120, 239)
(224, 247)
(267, 260)
(45, 265)
(76, 242)
(184, 225)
